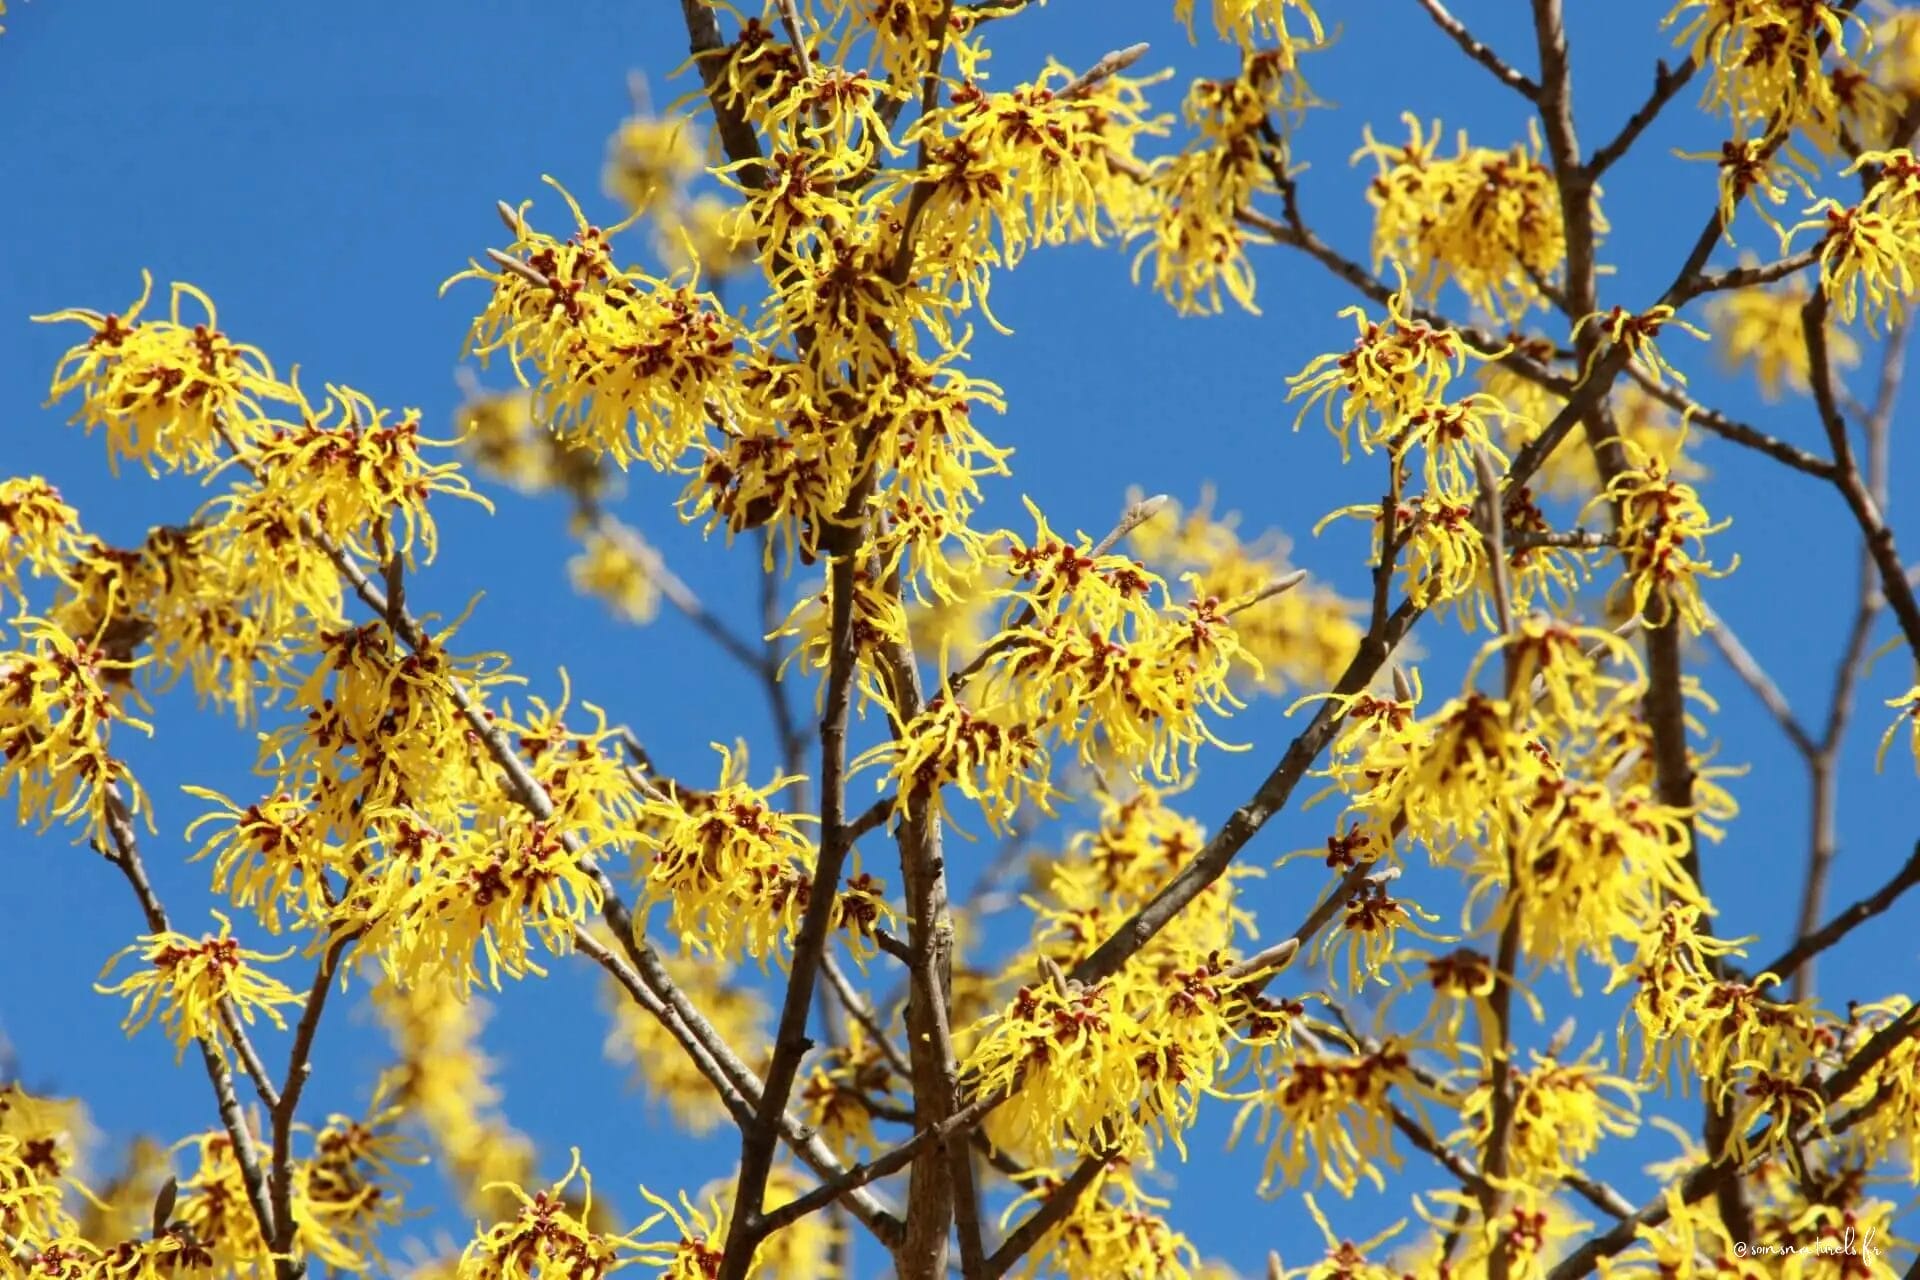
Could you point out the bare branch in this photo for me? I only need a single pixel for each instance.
(1700, 415)
(1666, 83)
(1879, 538)
(125, 854)
(1051, 1213)
(1755, 677)
(288, 1266)
(1836, 930)
(1478, 51)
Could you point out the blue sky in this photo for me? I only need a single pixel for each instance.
(320, 169)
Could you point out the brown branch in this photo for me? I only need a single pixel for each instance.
(1794, 958)
(1478, 51)
(125, 855)
(758, 1140)
(287, 1266)
(1726, 428)
(643, 995)
(1666, 83)
(249, 1056)
(709, 48)
(1051, 1213)
(1866, 512)
(861, 1012)
(1745, 277)
(941, 1188)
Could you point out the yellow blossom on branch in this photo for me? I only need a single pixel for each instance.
(1763, 328)
(1908, 705)
(190, 982)
(622, 362)
(549, 1237)
(1662, 531)
(1488, 221)
(58, 706)
(1870, 252)
(166, 392)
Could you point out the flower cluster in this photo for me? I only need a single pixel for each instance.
(1487, 221)
(196, 985)
(1868, 259)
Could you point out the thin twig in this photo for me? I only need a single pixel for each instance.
(125, 855)
(1866, 512)
(1755, 677)
(1740, 433)
(1052, 1211)
(1109, 66)
(1478, 50)
(1836, 930)
(288, 1266)
(1666, 83)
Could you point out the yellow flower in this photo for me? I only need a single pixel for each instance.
(549, 1236)
(267, 857)
(497, 429)
(1763, 58)
(804, 1250)
(735, 872)
(38, 532)
(1303, 636)
(444, 1083)
(1328, 1113)
(648, 160)
(623, 362)
(438, 903)
(1114, 1229)
(1908, 704)
(1194, 241)
(359, 477)
(1073, 1053)
(1367, 930)
(1870, 252)
(1663, 530)
(708, 236)
(1561, 1111)
(1637, 332)
(188, 982)
(988, 755)
(1393, 369)
(57, 711)
(42, 1142)
(1489, 221)
(345, 1193)
(1252, 22)
(168, 392)
(1571, 471)
(1010, 171)
(617, 565)
(1345, 1260)
(1763, 328)
(701, 1246)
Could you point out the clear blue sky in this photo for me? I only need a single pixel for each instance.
(320, 169)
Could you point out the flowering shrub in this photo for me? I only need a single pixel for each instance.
(1522, 456)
